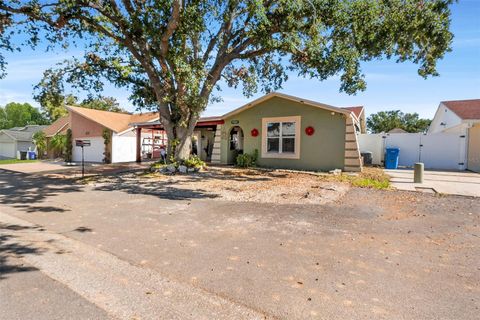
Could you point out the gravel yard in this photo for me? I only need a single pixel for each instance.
(233, 184)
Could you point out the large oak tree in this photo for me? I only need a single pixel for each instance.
(171, 54)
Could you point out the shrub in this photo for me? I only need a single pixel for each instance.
(40, 141)
(59, 144)
(69, 146)
(193, 162)
(106, 141)
(157, 165)
(247, 160)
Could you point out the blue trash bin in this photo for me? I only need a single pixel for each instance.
(391, 158)
(31, 155)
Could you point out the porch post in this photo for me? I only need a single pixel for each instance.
(139, 144)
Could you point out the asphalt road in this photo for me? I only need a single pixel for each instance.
(27, 293)
(371, 255)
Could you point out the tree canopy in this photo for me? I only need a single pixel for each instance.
(385, 121)
(171, 54)
(20, 114)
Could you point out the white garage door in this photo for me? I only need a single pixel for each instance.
(7, 150)
(93, 153)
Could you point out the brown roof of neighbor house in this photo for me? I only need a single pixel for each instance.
(357, 110)
(465, 109)
(397, 130)
(56, 127)
(115, 121)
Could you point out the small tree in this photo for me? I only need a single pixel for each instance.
(40, 141)
(59, 143)
(69, 146)
(107, 156)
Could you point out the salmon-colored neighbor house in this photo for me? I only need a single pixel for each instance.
(89, 124)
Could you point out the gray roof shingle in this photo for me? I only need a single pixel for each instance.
(23, 133)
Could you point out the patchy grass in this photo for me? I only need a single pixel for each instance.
(157, 165)
(369, 178)
(12, 161)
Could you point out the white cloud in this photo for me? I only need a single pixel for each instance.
(7, 96)
(30, 68)
(467, 42)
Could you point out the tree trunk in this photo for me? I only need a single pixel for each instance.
(179, 137)
(184, 149)
(179, 142)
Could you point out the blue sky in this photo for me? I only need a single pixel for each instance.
(390, 85)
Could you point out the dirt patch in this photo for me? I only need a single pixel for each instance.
(234, 184)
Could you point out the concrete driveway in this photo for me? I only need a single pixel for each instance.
(136, 252)
(463, 183)
(44, 167)
(35, 167)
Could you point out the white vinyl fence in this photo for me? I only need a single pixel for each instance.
(437, 150)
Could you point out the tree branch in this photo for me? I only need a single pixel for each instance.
(171, 27)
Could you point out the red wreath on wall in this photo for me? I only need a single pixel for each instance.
(254, 132)
(309, 131)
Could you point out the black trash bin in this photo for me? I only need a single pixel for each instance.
(367, 157)
(23, 155)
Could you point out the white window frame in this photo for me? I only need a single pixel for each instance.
(280, 155)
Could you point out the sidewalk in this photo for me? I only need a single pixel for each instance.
(462, 183)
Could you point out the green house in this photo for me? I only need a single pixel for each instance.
(289, 133)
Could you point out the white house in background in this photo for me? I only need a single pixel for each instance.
(17, 139)
(461, 117)
(456, 116)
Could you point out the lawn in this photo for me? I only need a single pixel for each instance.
(12, 161)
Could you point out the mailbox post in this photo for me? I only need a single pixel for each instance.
(82, 144)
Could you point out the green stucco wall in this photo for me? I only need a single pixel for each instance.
(322, 151)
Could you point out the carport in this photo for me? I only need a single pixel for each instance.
(205, 143)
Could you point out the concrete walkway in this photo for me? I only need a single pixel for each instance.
(462, 183)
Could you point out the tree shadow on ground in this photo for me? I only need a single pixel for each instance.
(25, 192)
(160, 189)
(179, 187)
(11, 251)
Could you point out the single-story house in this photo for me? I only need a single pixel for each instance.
(17, 139)
(463, 118)
(89, 124)
(291, 132)
(287, 131)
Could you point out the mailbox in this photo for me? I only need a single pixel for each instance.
(82, 143)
